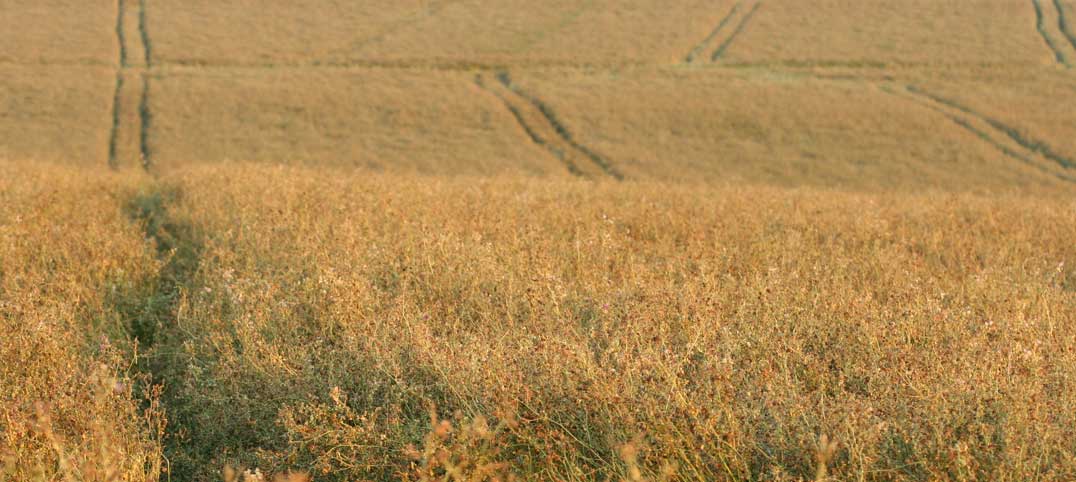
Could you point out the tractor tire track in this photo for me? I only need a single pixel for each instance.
(117, 116)
(121, 38)
(532, 134)
(701, 47)
(1027, 158)
(1063, 23)
(143, 31)
(145, 121)
(1034, 145)
(1040, 24)
(735, 33)
(601, 162)
(121, 46)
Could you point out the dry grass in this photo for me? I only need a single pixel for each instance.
(714, 333)
(72, 267)
(690, 125)
(274, 32)
(403, 121)
(1034, 103)
(58, 31)
(60, 114)
(427, 32)
(906, 32)
(384, 240)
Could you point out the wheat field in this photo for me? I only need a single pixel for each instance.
(569, 240)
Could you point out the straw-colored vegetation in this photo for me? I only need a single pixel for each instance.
(63, 31)
(876, 32)
(374, 327)
(466, 240)
(74, 271)
(55, 113)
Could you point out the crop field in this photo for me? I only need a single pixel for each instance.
(467, 240)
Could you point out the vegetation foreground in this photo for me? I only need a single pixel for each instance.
(358, 327)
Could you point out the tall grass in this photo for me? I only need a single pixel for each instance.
(72, 268)
(385, 327)
(416, 328)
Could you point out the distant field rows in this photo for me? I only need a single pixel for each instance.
(704, 93)
(468, 33)
(669, 124)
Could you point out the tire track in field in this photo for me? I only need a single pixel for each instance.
(121, 38)
(1014, 151)
(128, 141)
(114, 133)
(121, 45)
(1040, 25)
(735, 33)
(701, 47)
(1063, 23)
(145, 121)
(1035, 146)
(559, 128)
(147, 47)
(532, 134)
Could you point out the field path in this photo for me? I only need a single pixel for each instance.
(1002, 136)
(128, 140)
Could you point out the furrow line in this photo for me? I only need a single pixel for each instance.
(710, 38)
(144, 32)
(1063, 23)
(121, 43)
(121, 38)
(560, 129)
(735, 33)
(533, 135)
(145, 123)
(1033, 145)
(114, 134)
(928, 103)
(1040, 24)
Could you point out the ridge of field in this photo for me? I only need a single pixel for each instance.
(56, 113)
(875, 32)
(58, 31)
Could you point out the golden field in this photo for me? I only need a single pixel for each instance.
(456, 240)
(299, 318)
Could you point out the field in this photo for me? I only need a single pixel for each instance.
(319, 240)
